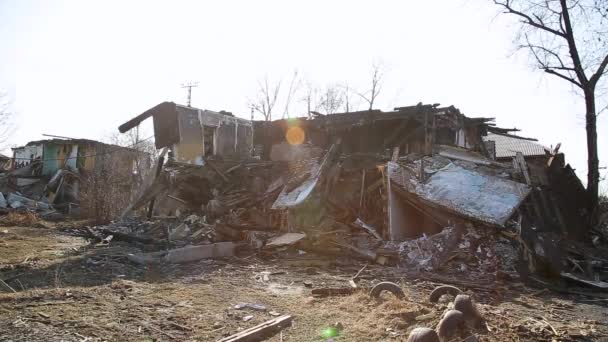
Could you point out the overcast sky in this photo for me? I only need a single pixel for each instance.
(81, 68)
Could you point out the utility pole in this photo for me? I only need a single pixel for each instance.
(189, 86)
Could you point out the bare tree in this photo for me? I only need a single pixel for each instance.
(6, 119)
(349, 104)
(294, 85)
(144, 151)
(331, 99)
(376, 85)
(568, 39)
(311, 97)
(266, 99)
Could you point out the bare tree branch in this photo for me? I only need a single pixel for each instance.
(310, 98)
(294, 85)
(577, 48)
(331, 100)
(527, 19)
(569, 79)
(266, 99)
(6, 119)
(348, 102)
(600, 71)
(576, 60)
(376, 86)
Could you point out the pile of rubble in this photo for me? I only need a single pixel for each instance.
(59, 177)
(17, 192)
(343, 206)
(423, 187)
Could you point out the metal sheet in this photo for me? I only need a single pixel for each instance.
(463, 154)
(465, 192)
(300, 193)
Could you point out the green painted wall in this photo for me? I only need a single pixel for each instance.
(50, 155)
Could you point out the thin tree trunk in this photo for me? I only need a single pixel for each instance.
(593, 174)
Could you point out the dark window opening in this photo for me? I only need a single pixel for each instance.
(208, 140)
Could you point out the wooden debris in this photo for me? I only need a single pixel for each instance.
(220, 173)
(7, 286)
(335, 291)
(262, 331)
(593, 283)
(43, 315)
(119, 236)
(371, 230)
(150, 327)
(177, 199)
(285, 240)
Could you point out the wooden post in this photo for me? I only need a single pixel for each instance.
(159, 169)
(362, 192)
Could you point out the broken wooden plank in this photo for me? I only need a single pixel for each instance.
(177, 199)
(519, 157)
(334, 291)
(285, 240)
(262, 331)
(234, 168)
(375, 185)
(362, 190)
(220, 173)
(593, 283)
(360, 224)
(363, 253)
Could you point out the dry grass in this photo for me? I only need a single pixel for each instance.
(72, 294)
(20, 219)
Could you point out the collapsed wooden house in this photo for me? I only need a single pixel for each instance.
(430, 165)
(57, 172)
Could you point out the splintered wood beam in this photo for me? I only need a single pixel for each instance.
(220, 173)
(159, 170)
(262, 331)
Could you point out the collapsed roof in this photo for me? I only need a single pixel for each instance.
(507, 146)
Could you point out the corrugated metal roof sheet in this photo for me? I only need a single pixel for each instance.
(507, 146)
(465, 192)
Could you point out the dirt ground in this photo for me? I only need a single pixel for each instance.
(67, 290)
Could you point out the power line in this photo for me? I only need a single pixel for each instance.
(189, 86)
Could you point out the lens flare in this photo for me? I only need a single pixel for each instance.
(329, 333)
(295, 135)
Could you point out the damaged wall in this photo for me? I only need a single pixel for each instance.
(26, 154)
(189, 149)
(193, 133)
(413, 129)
